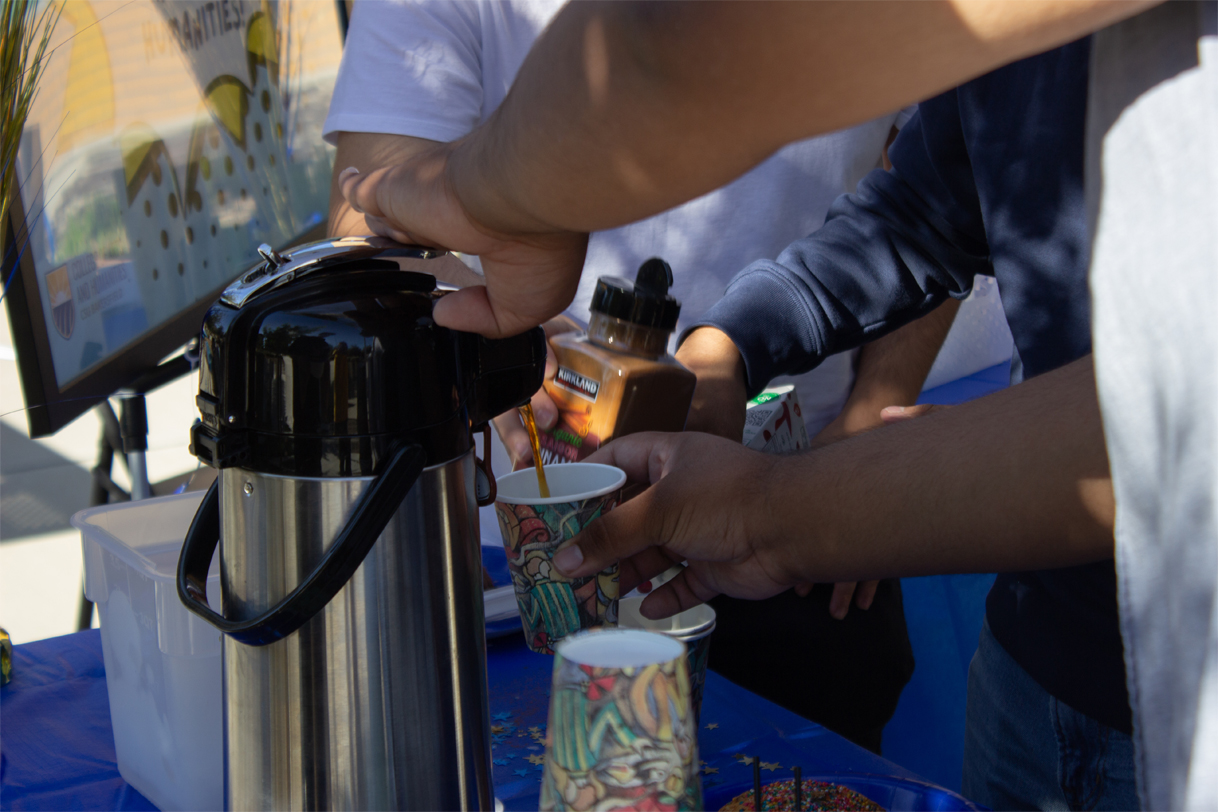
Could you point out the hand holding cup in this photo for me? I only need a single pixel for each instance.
(553, 604)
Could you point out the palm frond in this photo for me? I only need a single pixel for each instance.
(25, 33)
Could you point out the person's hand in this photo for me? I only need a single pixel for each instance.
(863, 594)
(707, 505)
(720, 397)
(509, 425)
(719, 407)
(371, 151)
(899, 414)
(529, 277)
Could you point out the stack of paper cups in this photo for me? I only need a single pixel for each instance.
(693, 627)
(621, 733)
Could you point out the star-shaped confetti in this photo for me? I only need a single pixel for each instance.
(496, 729)
(710, 770)
(522, 772)
(535, 759)
(502, 762)
(770, 765)
(534, 729)
(712, 726)
(743, 759)
(501, 717)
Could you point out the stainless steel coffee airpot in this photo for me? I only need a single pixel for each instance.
(341, 419)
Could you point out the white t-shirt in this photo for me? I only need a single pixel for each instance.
(437, 70)
(1152, 182)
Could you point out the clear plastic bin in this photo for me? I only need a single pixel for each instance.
(162, 662)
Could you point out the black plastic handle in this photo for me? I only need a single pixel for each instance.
(366, 523)
(504, 373)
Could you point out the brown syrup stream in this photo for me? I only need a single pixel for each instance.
(526, 411)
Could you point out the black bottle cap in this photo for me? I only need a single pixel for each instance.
(644, 302)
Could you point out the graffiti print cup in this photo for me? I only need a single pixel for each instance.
(552, 605)
(621, 733)
(693, 627)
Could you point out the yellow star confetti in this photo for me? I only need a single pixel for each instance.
(770, 765)
(536, 759)
(712, 726)
(743, 759)
(496, 729)
(710, 770)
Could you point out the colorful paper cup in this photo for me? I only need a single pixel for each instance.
(552, 605)
(693, 627)
(621, 733)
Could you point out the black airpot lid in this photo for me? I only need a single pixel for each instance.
(317, 361)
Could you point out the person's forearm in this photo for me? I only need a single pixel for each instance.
(719, 402)
(623, 96)
(891, 370)
(888, 254)
(1016, 480)
(1013, 481)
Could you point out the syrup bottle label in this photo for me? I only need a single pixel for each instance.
(579, 385)
(576, 434)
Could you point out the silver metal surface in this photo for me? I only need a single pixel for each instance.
(379, 702)
(137, 466)
(270, 255)
(280, 268)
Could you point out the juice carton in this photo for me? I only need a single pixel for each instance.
(774, 423)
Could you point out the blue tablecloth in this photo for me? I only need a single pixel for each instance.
(57, 749)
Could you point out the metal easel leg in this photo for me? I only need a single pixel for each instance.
(133, 422)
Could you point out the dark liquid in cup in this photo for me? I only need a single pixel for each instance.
(526, 412)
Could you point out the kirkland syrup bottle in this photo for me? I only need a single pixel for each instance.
(618, 378)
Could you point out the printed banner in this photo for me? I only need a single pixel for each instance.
(169, 138)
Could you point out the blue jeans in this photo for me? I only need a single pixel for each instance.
(1023, 749)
